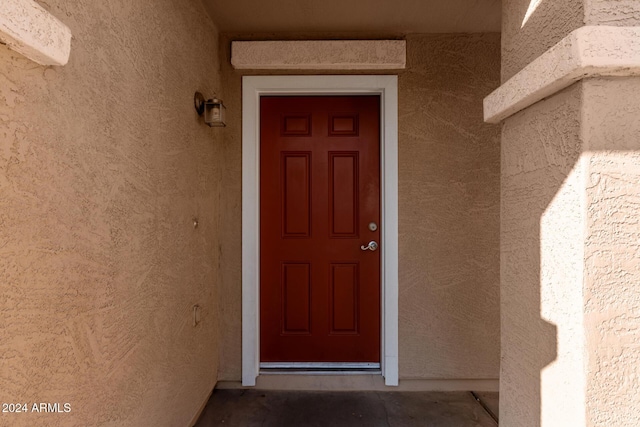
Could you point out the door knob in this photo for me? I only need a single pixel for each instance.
(372, 246)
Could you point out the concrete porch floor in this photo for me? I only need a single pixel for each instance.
(327, 408)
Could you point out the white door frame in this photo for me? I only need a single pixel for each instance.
(252, 88)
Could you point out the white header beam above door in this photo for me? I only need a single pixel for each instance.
(319, 55)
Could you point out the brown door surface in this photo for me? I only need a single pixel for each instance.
(319, 193)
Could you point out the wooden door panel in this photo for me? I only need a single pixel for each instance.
(319, 190)
(295, 196)
(296, 298)
(343, 196)
(345, 293)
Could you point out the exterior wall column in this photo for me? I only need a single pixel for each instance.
(570, 212)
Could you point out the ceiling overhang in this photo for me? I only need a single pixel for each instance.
(355, 16)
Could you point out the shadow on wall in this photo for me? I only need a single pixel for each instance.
(542, 263)
(541, 231)
(570, 247)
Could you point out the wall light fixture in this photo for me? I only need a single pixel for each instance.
(213, 109)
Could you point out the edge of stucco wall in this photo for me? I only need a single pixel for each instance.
(29, 29)
(589, 51)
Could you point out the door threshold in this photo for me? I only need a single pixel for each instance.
(327, 371)
(320, 365)
(320, 368)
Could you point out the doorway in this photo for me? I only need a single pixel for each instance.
(384, 90)
(319, 232)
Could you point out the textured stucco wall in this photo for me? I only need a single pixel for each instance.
(611, 132)
(618, 13)
(28, 28)
(569, 234)
(541, 265)
(570, 244)
(530, 27)
(103, 165)
(449, 199)
(449, 210)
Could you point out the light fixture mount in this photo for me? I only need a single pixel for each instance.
(213, 109)
(198, 102)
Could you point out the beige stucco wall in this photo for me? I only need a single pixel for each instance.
(449, 163)
(569, 263)
(449, 210)
(103, 165)
(541, 265)
(569, 235)
(530, 27)
(611, 132)
(617, 13)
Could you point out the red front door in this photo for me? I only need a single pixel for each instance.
(319, 204)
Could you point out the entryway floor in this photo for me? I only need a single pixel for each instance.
(328, 408)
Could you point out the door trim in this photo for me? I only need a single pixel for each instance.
(253, 87)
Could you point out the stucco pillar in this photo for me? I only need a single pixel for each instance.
(611, 138)
(570, 213)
